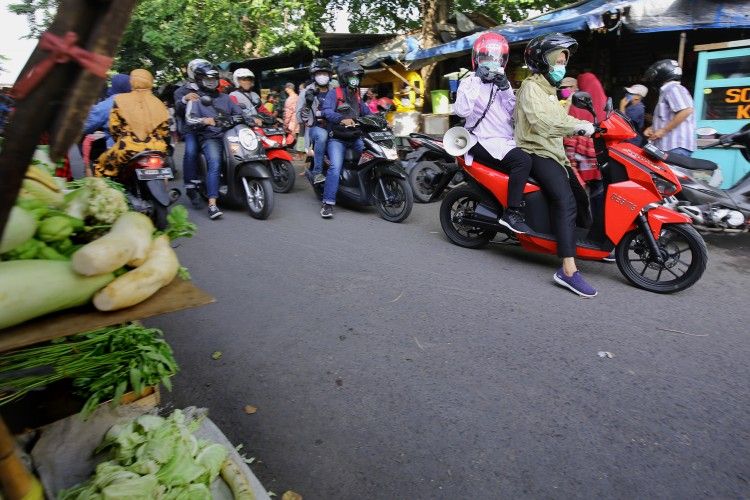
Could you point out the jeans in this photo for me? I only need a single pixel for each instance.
(318, 139)
(553, 180)
(516, 163)
(190, 160)
(336, 151)
(681, 151)
(212, 151)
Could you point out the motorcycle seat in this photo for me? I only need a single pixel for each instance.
(690, 163)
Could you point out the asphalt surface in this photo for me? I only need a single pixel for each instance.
(387, 363)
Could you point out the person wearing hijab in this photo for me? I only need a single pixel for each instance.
(139, 121)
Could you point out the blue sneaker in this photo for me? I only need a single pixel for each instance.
(575, 283)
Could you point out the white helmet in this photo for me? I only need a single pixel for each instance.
(241, 73)
(191, 67)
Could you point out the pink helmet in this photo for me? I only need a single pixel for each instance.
(490, 49)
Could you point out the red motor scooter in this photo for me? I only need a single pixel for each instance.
(656, 248)
(275, 141)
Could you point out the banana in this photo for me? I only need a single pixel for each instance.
(36, 174)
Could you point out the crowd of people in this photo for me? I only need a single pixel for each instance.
(531, 131)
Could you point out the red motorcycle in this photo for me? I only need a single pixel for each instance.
(656, 248)
(275, 141)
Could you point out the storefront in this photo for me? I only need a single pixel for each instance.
(722, 101)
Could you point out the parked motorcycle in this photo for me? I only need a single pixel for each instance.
(656, 248)
(431, 169)
(275, 141)
(145, 179)
(245, 179)
(378, 178)
(713, 209)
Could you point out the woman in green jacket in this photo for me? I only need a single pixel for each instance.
(540, 125)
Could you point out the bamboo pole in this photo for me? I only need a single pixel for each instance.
(17, 483)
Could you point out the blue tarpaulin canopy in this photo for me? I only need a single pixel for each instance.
(641, 16)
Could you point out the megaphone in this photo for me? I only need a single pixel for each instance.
(458, 141)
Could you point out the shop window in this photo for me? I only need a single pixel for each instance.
(726, 103)
(728, 67)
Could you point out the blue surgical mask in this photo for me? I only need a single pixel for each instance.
(557, 73)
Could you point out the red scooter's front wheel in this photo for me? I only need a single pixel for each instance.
(683, 259)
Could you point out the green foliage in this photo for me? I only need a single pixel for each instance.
(163, 35)
(395, 16)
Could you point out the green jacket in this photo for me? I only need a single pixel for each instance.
(541, 122)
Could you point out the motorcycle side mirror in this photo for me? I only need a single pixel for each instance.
(583, 100)
(706, 132)
(207, 100)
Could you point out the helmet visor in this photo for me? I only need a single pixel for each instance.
(210, 82)
(492, 59)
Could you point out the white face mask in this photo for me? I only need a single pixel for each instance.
(322, 80)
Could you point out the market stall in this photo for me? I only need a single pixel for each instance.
(79, 373)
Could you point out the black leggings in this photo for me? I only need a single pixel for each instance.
(553, 180)
(516, 163)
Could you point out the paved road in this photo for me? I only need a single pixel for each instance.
(387, 363)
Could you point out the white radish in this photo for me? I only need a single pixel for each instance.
(135, 286)
(128, 242)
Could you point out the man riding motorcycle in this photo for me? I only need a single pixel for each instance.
(309, 112)
(340, 109)
(189, 91)
(244, 96)
(201, 119)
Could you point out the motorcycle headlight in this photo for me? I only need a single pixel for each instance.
(248, 139)
(390, 153)
(664, 187)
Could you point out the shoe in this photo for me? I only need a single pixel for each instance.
(609, 258)
(195, 197)
(214, 212)
(514, 220)
(326, 211)
(575, 283)
(319, 179)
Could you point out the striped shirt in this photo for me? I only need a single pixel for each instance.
(673, 97)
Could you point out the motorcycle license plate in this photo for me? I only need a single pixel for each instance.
(381, 136)
(273, 131)
(150, 174)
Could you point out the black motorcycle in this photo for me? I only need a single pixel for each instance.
(713, 209)
(431, 169)
(378, 178)
(145, 179)
(245, 180)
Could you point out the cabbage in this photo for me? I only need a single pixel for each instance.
(154, 457)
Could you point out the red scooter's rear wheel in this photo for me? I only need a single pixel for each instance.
(456, 204)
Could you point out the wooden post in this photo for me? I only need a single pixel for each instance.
(681, 50)
(104, 39)
(36, 113)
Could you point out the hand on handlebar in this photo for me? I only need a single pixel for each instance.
(348, 122)
(209, 122)
(192, 96)
(586, 129)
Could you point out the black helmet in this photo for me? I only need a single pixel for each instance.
(348, 69)
(538, 48)
(207, 77)
(661, 72)
(320, 65)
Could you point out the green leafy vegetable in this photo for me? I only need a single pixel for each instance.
(179, 223)
(103, 363)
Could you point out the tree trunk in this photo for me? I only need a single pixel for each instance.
(434, 12)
